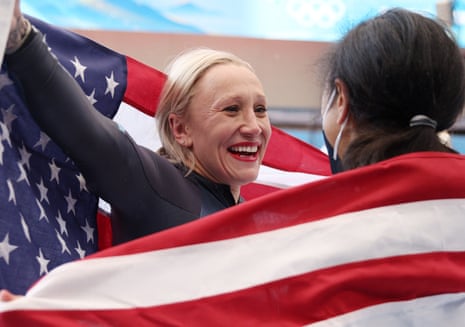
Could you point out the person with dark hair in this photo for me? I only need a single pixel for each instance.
(391, 84)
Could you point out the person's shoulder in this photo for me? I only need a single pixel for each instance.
(432, 156)
(431, 165)
(425, 158)
(151, 160)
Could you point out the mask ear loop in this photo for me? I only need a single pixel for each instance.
(329, 103)
(338, 138)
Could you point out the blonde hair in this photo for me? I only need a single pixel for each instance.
(183, 73)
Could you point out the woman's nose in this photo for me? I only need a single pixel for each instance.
(250, 124)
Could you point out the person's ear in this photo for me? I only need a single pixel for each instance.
(342, 101)
(179, 129)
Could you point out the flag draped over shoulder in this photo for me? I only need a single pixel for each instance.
(381, 245)
(47, 215)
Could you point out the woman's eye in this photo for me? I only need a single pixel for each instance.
(260, 109)
(231, 108)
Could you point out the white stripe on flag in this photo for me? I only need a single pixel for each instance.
(139, 125)
(284, 179)
(432, 311)
(218, 267)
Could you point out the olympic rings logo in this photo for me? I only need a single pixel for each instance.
(316, 13)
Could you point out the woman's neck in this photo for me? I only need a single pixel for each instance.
(236, 193)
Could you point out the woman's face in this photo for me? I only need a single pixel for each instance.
(227, 125)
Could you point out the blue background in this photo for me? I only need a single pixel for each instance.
(314, 20)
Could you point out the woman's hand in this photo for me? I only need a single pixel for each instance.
(16, 15)
(19, 30)
(7, 296)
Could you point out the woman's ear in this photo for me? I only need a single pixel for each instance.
(179, 129)
(342, 101)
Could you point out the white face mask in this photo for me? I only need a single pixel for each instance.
(339, 135)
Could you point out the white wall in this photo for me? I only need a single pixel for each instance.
(287, 68)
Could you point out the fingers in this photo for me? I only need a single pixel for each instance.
(19, 30)
(16, 16)
(17, 10)
(7, 296)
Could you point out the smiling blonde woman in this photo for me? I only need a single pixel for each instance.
(214, 130)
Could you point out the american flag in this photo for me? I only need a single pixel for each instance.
(48, 217)
(378, 246)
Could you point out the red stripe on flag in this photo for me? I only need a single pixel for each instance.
(288, 153)
(104, 230)
(144, 86)
(254, 190)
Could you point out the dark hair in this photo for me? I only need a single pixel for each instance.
(397, 65)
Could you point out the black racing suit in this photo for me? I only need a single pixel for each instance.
(147, 193)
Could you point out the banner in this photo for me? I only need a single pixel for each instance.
(378, 246)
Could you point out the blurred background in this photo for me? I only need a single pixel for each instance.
(283, 39)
